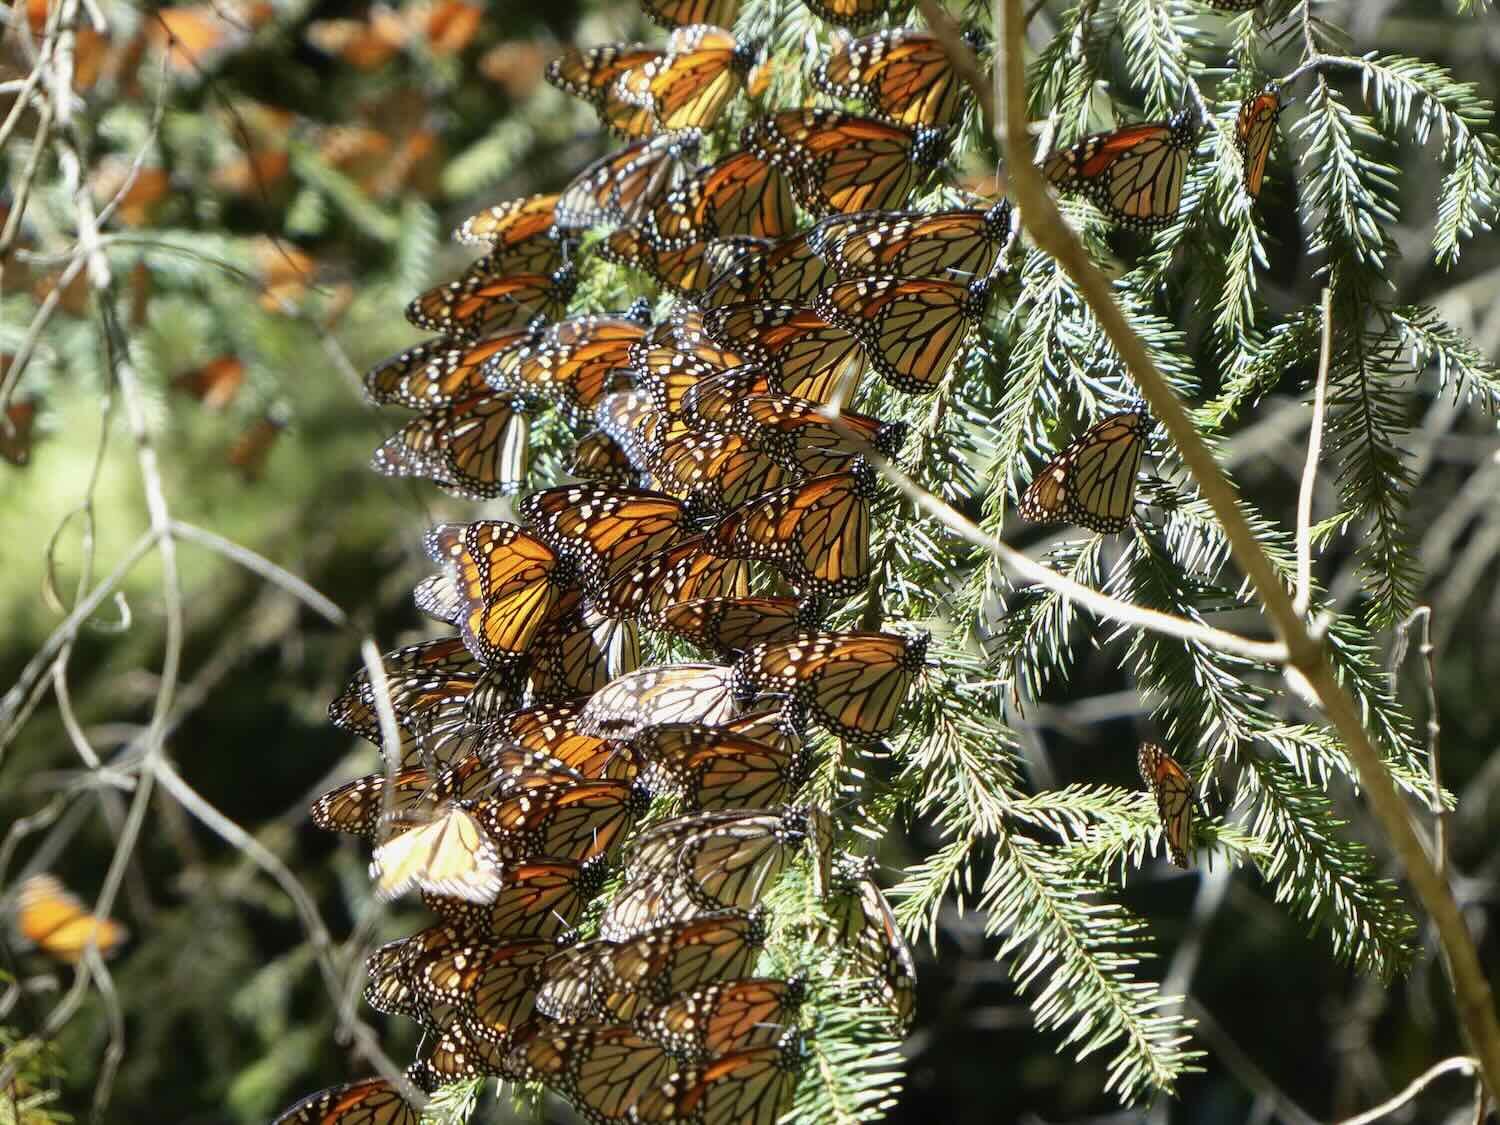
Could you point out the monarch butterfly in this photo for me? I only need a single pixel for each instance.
(569, 367)
(664, 693)
(718, 769)
(1134, 175)
(718, 1018)
(599, 458)
(372, 1101)
(1172, 789)
(902, 74)
(215, 383)
(477, 447)
(508, 582)
(1092, 481)
(490, 984)
(624, 186)
(579, 651)
(806, 355)
(439, 372)
(459, 1054)
(684, 329)
(728, 626)
(689, 85)
(804, 438)
(944, 245)
(686, 270)
(680, 573)
(816, 533)
(427, 701)
(604, 530)
(742, 194)
(628, 420)
(648, 969)
(787, 271)
(15, 431)
(589, 73)
(570, 821)
(601, 1070)
(713, 473)
(480, 305)
(357, 807)
(56, 922)
(745, 1087)
(704, 862)
(853, 683)
(540, 899)
(678, 13)
(567, 994)
(866, 926)
(626, 109)
(1234, 5)
(390, 986)
(912, 329)
(449, 855)
(502, 769)
(553, 729)
(839, 161)
(713, 403)
(666, 373)
(509, 224)
(1254, 130)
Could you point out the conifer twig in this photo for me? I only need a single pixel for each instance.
(1310, 470)
(1307, 663)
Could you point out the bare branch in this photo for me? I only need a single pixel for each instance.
(1310, 470)
(1461, 1063)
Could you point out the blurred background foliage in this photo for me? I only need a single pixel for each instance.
(300, 167)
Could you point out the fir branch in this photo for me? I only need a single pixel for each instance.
(1330, 880)
(1431, 341)
(1052, 923)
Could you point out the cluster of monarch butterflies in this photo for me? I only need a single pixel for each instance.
(714, 454)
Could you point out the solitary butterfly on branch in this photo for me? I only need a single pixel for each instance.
(817, 533)
(603, 530)
(1134, 175)
(839, 161)
(752, 1086)
(852, 683)
(215, 383)
(806, 354)
(480, 304)
(902, 74)
(689, 85)
(665, 693)
(1172, 789)
(743, 194)
(247, 454)
(959, 245)
(439, 372)
(510, 224)
(449, 855)
(623, 187)
(476, 447)
(372, 1101)
(601, 1070)
(1254, 130)
(52, 918)
(1092, 481)
(718, 1018)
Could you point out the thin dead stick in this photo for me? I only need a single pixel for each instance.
(259, 564)
(1426, 649)
(1310, 470)
(1461, 1063)
(1307, 664)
